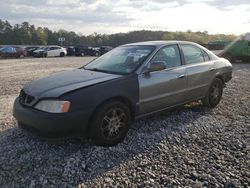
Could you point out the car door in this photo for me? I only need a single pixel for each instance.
(162, 89)
(51, 52)
(200, 71)
(57, 51)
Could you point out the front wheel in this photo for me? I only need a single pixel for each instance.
(214, 94)
(45, 55)
(110, 124)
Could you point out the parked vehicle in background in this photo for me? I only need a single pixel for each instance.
(30, 50)
(12, 52)
(50, 51)
(238, 50)
(102, 98)
(81, 50)
(105, 49)
(70, 51)
(40, 52)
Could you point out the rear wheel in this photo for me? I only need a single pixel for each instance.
(82, 54)
(62, 54)
(214, 94)
(21, 56)
(97, 54)
(110, 124)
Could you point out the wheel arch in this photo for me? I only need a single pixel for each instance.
(221, 78)
(121, 99)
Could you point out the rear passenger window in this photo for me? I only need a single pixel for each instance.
(169, 55)
(206, 56)
(192, 54)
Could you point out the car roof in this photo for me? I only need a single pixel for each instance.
(159, 43)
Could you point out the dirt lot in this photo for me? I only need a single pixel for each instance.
(191, 146)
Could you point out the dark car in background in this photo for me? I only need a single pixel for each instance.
(40, 52)
(30, 50)
(12, 52)
(102, 98)
(71, 51)
(105, 49)
(81, 50)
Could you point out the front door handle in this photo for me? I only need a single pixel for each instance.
(181, 76)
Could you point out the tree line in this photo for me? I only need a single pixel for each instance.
(27, 34)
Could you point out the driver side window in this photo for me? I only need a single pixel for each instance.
(169, 55)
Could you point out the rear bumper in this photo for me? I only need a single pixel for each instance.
(228, 76)
(50, 125)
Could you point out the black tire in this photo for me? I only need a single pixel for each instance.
(62, 54)
(82, 54)
(45, 54)
(97, 54)
(104, 129)
(214, 94)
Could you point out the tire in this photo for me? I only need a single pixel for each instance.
(21, 56)
(214, 94)
(62, 54)
(97, 54)
(82, 54)
(104, 129)
(45, 54)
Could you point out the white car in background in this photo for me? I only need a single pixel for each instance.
(50, 51)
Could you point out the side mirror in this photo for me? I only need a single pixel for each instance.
(155, 66)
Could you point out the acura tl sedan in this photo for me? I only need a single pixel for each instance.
(101, 99)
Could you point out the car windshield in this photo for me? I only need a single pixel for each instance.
(121, 60)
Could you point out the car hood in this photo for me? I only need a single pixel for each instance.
(61, 83)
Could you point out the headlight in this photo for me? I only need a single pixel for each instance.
(53, 106)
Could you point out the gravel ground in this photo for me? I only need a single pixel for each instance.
(191, 146)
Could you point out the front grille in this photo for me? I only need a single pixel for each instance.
(25, 99)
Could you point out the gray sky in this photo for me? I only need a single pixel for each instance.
(111, 16)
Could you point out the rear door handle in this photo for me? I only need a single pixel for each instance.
(181, 76)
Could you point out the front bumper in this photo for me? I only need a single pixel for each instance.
(48, 124)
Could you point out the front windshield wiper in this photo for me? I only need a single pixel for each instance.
(100, 70)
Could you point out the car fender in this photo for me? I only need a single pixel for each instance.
(91, 97)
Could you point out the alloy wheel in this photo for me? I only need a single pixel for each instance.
(216, 92)
(113, 123)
